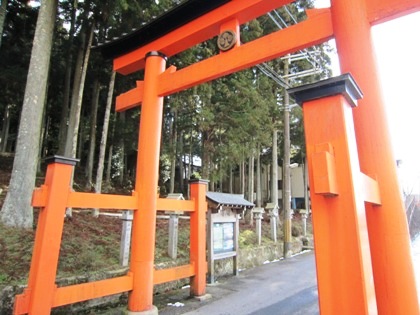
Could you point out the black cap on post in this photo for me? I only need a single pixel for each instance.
(198, 181)
(343, 84)
(61, 160)
(156, 53)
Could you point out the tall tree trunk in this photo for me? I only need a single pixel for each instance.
(190, 156)
(251, 179)
(258, 177)
(121, 155)
(267, 182)
(81, 140)
(92, 137)
(110, 155)
(109, 166)
(243, 177)
(47, 127)
(64, 118)
(172, 144)
(205, 158)
(102, 147)
(71, 119)
(17, 210)
(73, 130)
(305, 186)
(43, 135)
(287, 194)
(3, 7)
(67, 82)
(211, 186)
(219, 168)
(248, 215)
(5, 129)
(190, 162)
(274, 171)
(180, 155)
(230, 179)
(172, 176)
(75, 111)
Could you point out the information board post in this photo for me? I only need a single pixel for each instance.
(223, 232)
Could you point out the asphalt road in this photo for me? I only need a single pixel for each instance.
(284, 287)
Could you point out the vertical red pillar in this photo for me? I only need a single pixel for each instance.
(344, 272)
(198, 237)
(144, 221)
(387, 224)
(43, 271)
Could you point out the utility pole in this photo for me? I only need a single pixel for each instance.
(287, 226)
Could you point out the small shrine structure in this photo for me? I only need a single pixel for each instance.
(224, 212)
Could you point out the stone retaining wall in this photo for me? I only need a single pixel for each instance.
(254, 256)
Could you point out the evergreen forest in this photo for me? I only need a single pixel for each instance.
(227, 131)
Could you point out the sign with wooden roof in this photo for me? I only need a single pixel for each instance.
(235, 202)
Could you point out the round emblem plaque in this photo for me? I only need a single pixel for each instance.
(226, 40)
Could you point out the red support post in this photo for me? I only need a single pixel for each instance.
(140, 299)
(343, 259)
(393, 270)
(198, 237)
(42, 275)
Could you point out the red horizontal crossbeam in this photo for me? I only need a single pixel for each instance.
(315, 30)
(101, 201)
(171, 274)
(175, 205)
(91, 290)
(130, 99)
(79, 292)
(87, 200)
(108, 201)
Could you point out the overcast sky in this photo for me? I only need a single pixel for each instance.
(398, 50)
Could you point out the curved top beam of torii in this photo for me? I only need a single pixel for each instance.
(194, 29)
(380, 11)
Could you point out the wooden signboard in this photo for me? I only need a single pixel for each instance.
(222, 239)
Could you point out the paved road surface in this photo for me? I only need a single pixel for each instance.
(285, 287)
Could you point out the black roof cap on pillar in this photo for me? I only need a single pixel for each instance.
(61, 160)
(164, 24)
(343, 84)
(198, 181)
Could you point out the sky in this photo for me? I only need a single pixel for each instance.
(397, 52)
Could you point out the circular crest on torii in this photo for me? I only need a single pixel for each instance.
(226, 40)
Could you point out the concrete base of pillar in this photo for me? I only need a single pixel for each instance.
(153, 311)
(204, 297)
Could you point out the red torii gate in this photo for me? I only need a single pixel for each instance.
(382, 281)
(350, 23)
